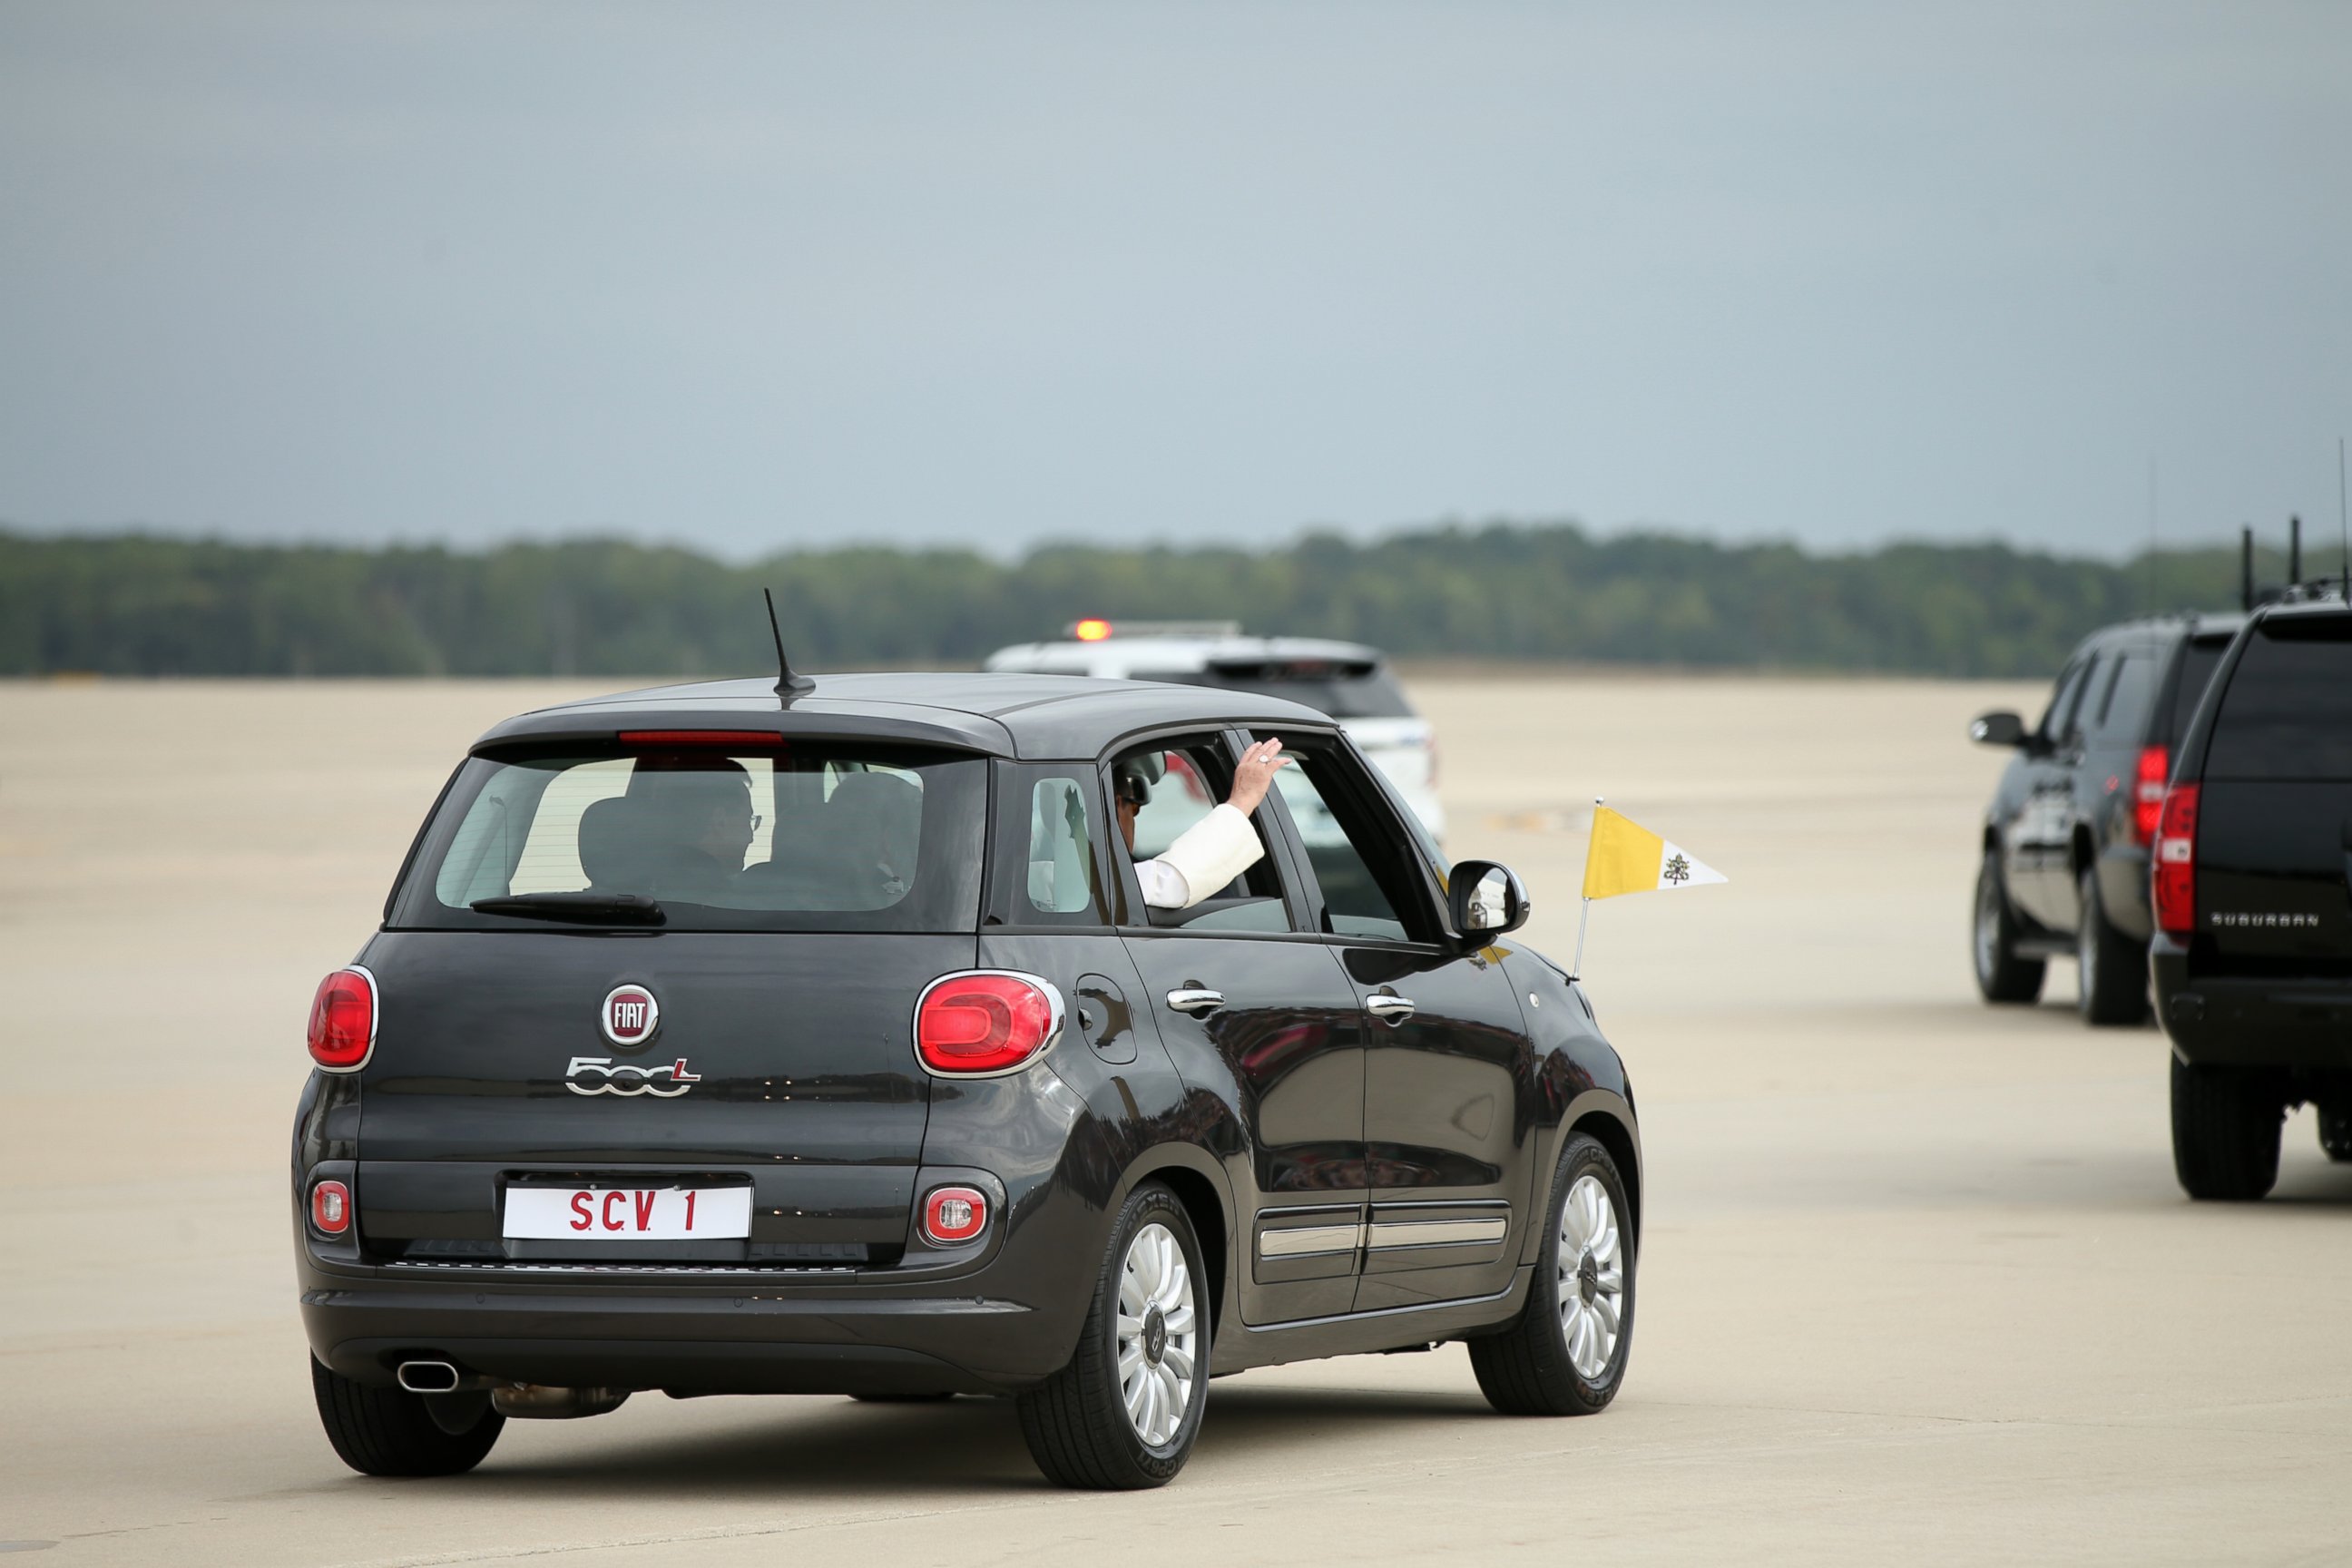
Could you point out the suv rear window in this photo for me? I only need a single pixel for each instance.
(2287, 711)
(1345, 688)
(797, 837)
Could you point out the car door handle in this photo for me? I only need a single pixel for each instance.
(1394, 1009)
(1194, 1001)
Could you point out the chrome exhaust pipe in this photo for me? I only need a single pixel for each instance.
(428, 1377)
(540, 1401)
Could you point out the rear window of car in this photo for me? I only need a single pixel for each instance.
(797, 837)
(2287, 710)
(1345, 688)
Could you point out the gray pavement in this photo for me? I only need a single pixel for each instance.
(1918, 1285)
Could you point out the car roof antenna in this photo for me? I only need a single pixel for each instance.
(2246, 570)
(788, 685)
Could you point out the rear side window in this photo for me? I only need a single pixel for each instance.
(2287, 710)
(801, 837)
(2199, 660)
(2125, 695)
(1062, 877)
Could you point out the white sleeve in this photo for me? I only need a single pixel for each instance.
(1205, 857)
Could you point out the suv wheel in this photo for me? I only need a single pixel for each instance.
(391, 1432)
(2336, 1132)
(2225, 1132)
(2113, 968)
(1566, 1353)
(2001, 975)
(1123, 1413)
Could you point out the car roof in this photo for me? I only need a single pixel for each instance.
(1029, 717)
(2222, 623)
(1172, 654)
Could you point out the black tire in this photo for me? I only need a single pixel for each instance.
(2001, 975)
(391, 1432)
(1076, 1423)
(2225, 1132)
(2336, 1134)
(2112, 967)
(1529, 1368)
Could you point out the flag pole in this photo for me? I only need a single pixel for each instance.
(1576, 970)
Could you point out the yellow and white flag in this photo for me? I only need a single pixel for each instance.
(1625, 859)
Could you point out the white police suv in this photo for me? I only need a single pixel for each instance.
(1346, 680)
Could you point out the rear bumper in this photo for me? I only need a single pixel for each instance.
(745, 1334)
(2273, 1022)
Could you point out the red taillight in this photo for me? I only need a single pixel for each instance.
(2147, 793)
(954, 1214)
(983, 1023)
(718, 740)
(342, 1020)
(2175, 862)
(331, 1207)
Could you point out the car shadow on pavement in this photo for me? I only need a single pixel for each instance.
(846, 1450)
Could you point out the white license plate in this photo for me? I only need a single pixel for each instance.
(628, 1214)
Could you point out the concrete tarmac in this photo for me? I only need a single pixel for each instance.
(1916, 1286)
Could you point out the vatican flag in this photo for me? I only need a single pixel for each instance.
(1625, 859)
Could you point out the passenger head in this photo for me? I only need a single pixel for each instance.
(706, 809)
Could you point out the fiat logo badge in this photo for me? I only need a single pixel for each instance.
(629, 1017)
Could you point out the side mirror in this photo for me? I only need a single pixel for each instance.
(1485, 900)
(2003, 729)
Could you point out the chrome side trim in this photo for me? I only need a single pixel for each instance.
(1308, 1240)
(1392, 1234)
(1518, 1277)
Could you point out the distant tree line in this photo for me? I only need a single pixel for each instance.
(144, 604)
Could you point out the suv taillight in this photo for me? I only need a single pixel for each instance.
(2174, 887)
(331, 1207)
(342, 1020)
(2147, 793)
(989, 1021)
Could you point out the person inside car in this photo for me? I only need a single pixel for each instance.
(1214, 850)
(702, 821)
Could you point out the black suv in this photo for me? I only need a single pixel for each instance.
(2254, 901)
(2065, 841)
(720, 1042)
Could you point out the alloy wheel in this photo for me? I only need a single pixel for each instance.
(1591, 1277)
(1157, 1335)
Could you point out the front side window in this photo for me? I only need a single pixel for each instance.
(1362, 855)
(799, 836)
(1162, 790)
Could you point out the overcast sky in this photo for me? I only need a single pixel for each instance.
(760, 275)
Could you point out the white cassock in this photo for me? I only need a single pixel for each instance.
(1205, 857)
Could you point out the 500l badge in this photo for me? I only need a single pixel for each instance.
(604, 1076)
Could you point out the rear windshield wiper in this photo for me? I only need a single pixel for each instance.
(588, 908)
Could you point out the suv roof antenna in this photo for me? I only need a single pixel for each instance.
(2246, 570)
(2294, 551)
(788, 685)
(2344, 520)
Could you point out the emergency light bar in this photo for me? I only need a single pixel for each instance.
(1094, 629)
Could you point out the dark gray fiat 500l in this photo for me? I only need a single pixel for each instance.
(715, 1043)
